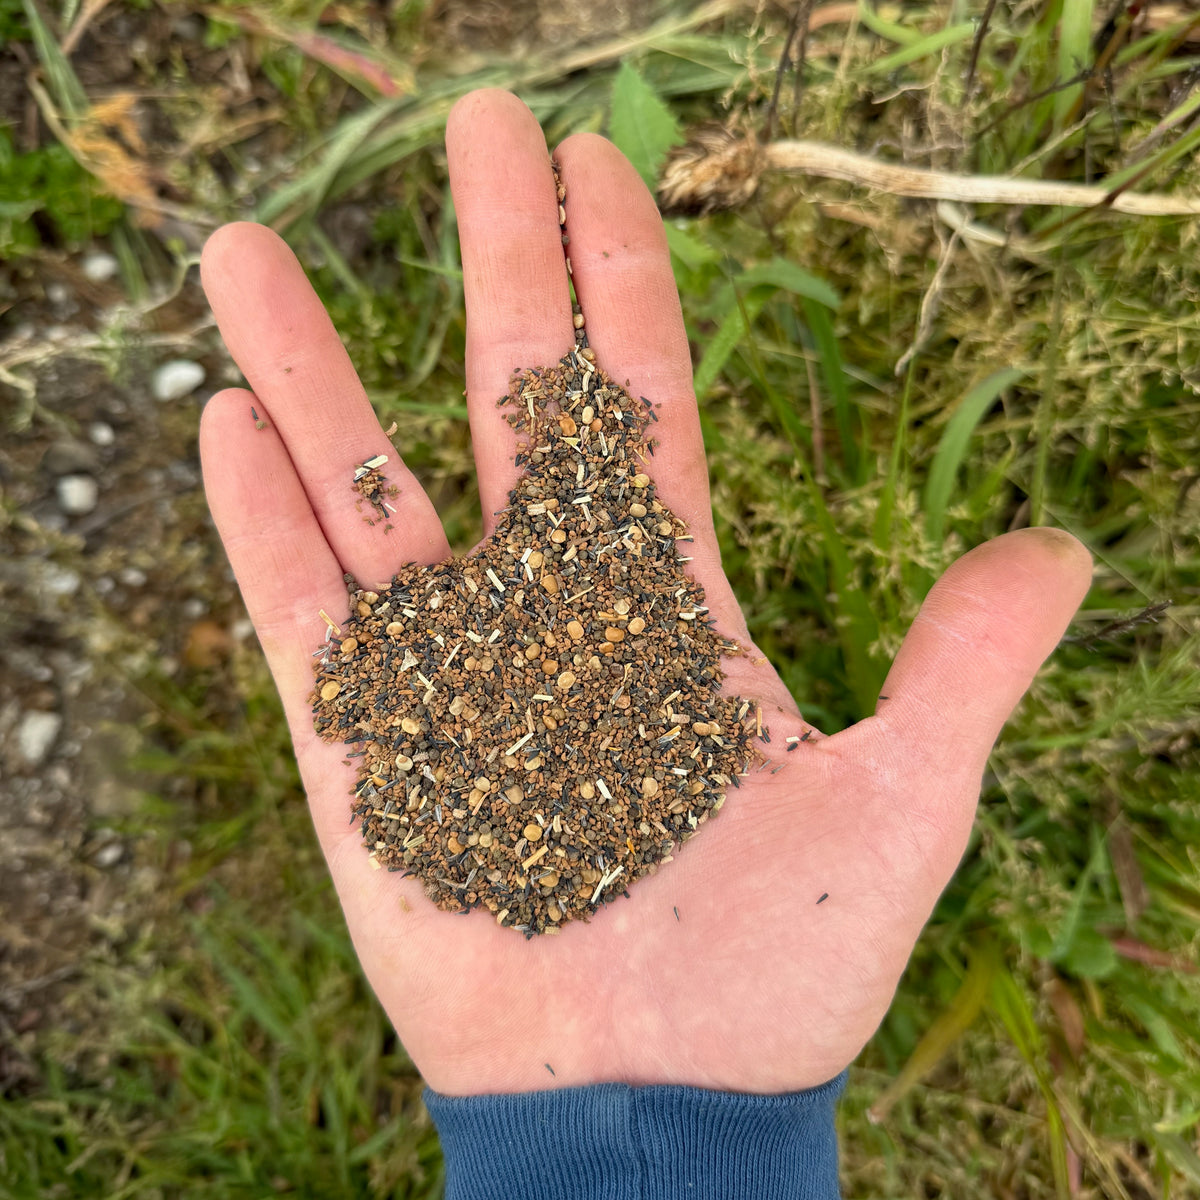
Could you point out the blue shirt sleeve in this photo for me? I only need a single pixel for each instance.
(616, 1142)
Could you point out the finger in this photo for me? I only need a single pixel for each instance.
(284, 566)
(285, 344)
(621, 268)
(984, 630)
(514, 275)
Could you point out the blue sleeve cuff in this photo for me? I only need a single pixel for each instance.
(616, 1142)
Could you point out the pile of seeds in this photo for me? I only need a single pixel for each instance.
(539, 725)
(536, 727)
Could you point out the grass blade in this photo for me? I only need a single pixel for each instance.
(846, 417)
(733, 327)
(935, 43)
(782, 273)
(958, 1016)
(952, 448)
(1074, 54)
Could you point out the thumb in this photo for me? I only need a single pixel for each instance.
(984, 630)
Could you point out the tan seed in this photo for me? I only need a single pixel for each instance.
(515, 794)
(566, 423)
(403, 762)
(577, 320)
(330, 690)
(550, 583)
(566, 679)
(394, 628)
(640, 480)
(485, 840)
(536, 559)
(454, 845)
(483, 783)
(533, 651)
(410, 725)
(549, 666)
(371, 597)
(575, 630)
(587, 790)
(588, 415)
(533, 832)
(558, 536)
(622, 606)
(349, 645)
(637, 510)
(549, 881)
(636, 625)
(613, 634)
(649, 787)
(364, 609)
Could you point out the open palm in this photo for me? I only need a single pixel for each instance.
(722, 970)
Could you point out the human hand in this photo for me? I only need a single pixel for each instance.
(754, 987)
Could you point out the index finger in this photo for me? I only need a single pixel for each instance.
(281, 337)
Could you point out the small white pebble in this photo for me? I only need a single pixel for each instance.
(109, 855)
(77, 494)
(101, 433)
(176, 379)
(100, 266)
(60, 581)
(36, 734)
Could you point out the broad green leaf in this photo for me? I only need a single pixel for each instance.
(1090, 955)
(640, 124)
(952, 449)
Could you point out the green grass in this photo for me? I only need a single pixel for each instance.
(1049, 1019)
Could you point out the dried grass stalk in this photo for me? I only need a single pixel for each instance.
(719, 169)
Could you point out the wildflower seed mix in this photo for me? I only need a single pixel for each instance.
(539, 725)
